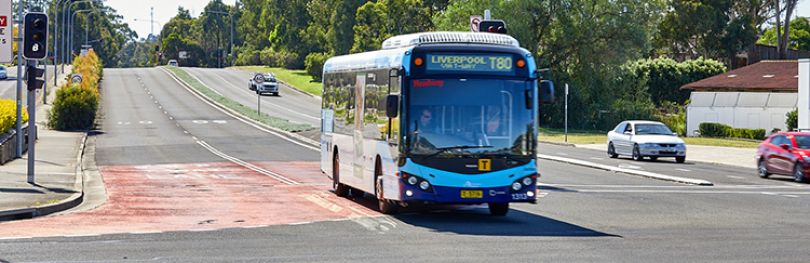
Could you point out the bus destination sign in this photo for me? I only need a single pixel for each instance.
(469, 63)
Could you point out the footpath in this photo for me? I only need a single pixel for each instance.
(58, 183)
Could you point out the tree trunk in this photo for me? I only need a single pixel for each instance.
(789, 6)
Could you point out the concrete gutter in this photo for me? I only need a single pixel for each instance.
(651, 175)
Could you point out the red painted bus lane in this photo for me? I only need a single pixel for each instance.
(201, 196)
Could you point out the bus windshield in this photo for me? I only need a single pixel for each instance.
(460, 117)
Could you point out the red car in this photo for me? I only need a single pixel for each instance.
(786, 153)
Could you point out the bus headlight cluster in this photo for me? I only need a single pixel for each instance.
(523, 182)
(418, 182)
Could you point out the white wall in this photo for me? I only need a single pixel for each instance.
(804, 94)
(753, 110)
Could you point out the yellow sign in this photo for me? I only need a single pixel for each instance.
(484, 164)
(472, 194)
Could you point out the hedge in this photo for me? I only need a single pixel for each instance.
(710, 129)
(8, 115)
(76, 104)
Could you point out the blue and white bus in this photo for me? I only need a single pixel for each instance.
(439, 117)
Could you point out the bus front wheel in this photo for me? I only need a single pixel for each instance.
(498, 209)
(384, 205)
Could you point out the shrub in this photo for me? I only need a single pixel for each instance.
(792, 121)
(314, 65)
(710, 129)
(74, 108)
(8, 115)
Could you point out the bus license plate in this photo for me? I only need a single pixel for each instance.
(472, 194)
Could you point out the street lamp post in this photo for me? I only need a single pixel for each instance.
(65, 31)
(70, 34)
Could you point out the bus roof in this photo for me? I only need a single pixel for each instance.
(449, 38)
(380, 59)
(396, 48)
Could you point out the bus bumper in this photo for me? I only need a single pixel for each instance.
(466, 195)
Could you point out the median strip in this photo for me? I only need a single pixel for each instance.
(626, 171)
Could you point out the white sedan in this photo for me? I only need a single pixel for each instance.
(641, 139)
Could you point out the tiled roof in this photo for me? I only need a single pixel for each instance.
(768, 75)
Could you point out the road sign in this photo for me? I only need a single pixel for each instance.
(76, 78)
(6, 32)
(258, 78)
(474, 22)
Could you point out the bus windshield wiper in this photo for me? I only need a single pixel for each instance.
(457, 147)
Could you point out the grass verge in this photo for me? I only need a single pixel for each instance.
(298, 79)
(241, 109)
(592, 137)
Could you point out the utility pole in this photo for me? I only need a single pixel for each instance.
(19, 79)
(152, 21)
(566, 112)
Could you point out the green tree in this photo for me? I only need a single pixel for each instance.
(377, 21)
(799, 35)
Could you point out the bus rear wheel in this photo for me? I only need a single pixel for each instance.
(498, 209)
(340, 189)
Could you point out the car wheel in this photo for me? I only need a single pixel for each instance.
(612, 151)
(798, 174)
(680, 159)
(637, 153)
(498, 209)
(383, 204)
(762, 169)
(340, 189)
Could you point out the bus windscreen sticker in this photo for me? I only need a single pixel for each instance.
(469, 63)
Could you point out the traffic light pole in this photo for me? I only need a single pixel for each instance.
(32, 122)
(18, 125)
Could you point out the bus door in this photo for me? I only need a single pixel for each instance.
(359, 108)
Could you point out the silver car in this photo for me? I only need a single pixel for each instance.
(640, 139)
(3, 72)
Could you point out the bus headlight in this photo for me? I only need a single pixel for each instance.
(412, 180)
(424, 185)
(516, 186)
(527, 181)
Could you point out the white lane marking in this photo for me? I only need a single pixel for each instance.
(596, 158)
(768, 193)
(250, 166)
(564, 154)
(791, 196)
(630, 166)
(735, 177)
(220, 121)
(317, 149)
(145, 122)
(682, 170)
(199, 122)
(271, 104)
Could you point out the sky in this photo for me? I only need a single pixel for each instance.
(136, 12)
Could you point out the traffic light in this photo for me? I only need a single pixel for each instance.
(35, 42)
(492, 26)
(33, 74)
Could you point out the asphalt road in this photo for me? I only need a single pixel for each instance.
(582, 215)
(290, 104)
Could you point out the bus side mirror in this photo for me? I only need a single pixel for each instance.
(392, 106)
(546, 92)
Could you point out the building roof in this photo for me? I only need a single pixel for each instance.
(767, 75)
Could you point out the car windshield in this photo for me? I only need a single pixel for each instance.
(453, 117)
(644, 129)
(802, 141)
